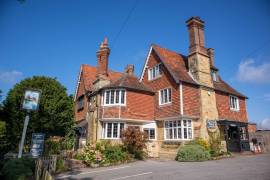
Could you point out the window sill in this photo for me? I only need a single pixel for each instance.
(165, 104)
(154, 78)
(235, 110)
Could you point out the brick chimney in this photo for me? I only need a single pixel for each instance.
(196, 35)
(102, 58)
(210, 52)
(129, 69)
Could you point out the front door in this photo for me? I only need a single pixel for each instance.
(233, 140)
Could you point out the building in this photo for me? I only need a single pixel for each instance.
(176, 98)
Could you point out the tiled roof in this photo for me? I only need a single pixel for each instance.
(89, 76)
(224, 87)
(129, 82)
(175, 63)
(178, 67)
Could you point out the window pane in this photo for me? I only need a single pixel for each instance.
(167, 133)
(121, 129)
(166, 124)
(184, 123)
(109, 130)
(189, 123)
(112, 96)
(185, 133)
(152, 134)
(179, 123)
(115, 129)
(165, 96)
(154, 72)
(189, 133)
(159, 68)
(161, 97)
(174, 133)
(179, 133)
(123, 96)
(170, 95)
(170, 133)
(117, 96)
(107, 97)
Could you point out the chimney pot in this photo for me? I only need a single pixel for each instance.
(129, 69)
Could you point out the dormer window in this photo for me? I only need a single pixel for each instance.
(114, 97)
(214, 75)
(154, 72)
(234, 103)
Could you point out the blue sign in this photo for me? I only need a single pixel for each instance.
(37, 144)
(211, 124)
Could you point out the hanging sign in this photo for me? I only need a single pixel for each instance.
(31, 100)
(211, 124)
(37, 145)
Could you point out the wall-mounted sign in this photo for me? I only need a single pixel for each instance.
(37, 145)
(31, 100)
(211, 124)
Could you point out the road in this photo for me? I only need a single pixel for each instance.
(248, 167)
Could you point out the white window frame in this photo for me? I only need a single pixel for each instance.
(114, 99)
(163, 96)
(105, 130)
(182, 127)
(214, 75)
(234, 103)
(148, 132)
(154, 72)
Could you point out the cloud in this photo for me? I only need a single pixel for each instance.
(264, 124)
(248, 71)
(10, 77)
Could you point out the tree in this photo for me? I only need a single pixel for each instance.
(55, 114)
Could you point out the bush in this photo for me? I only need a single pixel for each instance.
(203, 143)
(192, 152)
(103, 153)
(135, 142)
(52, 146)
(215, 144)
(60, 165)
(18, 169)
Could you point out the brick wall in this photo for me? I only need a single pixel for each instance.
(165, 81)
(191, 100)
(139, 105)
(224, 111)
(81, 114)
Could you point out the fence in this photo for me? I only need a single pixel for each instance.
(45, 167)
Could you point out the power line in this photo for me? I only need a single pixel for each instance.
(125, 22)
(259, 48)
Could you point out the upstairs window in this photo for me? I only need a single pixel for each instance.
(154, 72)
(165, 96)
(234, 103)
(80, 103)
(114, 97)
(214, 75)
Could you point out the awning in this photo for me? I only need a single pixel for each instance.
(231, 123)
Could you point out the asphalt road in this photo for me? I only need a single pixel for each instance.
(248, 167)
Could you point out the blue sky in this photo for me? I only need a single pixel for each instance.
(53, 38)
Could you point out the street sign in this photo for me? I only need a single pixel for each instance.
(37, 145)
(31, 100)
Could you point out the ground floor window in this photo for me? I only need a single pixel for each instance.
(178, 130)
(150, 132)
(112, 130)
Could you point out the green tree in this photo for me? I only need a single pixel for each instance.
(55, 114)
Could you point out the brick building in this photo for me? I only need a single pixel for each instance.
(176, 98)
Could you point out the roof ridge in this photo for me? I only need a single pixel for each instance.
(152, 44)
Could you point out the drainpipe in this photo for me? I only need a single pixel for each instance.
(181, 99)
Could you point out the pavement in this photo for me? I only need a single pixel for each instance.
(243, 167)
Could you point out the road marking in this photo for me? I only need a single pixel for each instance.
(61, 177)
(135, 175)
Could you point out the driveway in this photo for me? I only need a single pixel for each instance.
(248, 167)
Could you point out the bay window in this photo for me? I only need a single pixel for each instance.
(178, 130)
(112, 130)
(114, 97)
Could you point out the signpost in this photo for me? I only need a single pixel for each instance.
(37, 145)
(30, 103)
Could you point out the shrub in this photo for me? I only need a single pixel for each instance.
(115, 153)
(18, 169)
(192, 152)
(52, 146)
(135, 142)
(215, 143)
(60, 165)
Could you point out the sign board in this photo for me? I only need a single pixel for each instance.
(31, 100)
(37, 145)
(211, 124)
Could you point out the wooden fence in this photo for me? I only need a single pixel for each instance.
(45, 168)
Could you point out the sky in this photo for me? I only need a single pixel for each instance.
(53, 38)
